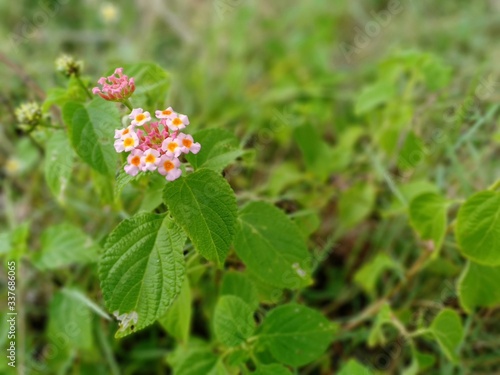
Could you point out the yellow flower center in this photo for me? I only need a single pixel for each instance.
(136, 160)
(177, 121)
(140, 117)
(166, 112)
(150, 158)
(172, 146)
(125, 131)
(187, 142)
(128, 142)
(168, 165)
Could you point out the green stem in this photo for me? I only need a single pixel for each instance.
(80, 82)
(495, 185)
(127, 103)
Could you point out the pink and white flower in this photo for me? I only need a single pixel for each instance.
(172, 147)
(139, 117)
(150, 160)
(178, 122)
(120, 133)
(127, 142)
(134, 161)
(166, 114)
(169, 168)
(187, 143)
(116, 87)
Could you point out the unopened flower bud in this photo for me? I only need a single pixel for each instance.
(68, 66)
(29, 114)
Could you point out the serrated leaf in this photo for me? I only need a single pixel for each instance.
(478, 228)
(238, 284)
(428, 217)
(448, 330)
(204, 205)
(142, 270)
(296, 335)
(271, 246)
(219, 149)
(58, 163)
(63, 245)
(478, 287)
(233, 321)
(353, 367)
(177, 320)
(91, 128)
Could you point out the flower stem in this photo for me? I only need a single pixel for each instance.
(80, 82)
(127, 103)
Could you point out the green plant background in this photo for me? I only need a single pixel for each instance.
(370, 132)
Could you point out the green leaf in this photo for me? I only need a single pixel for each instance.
(412, 152)
(55, 96)
(58, 163)
(314, 149)
(296, 335)
(63, 245)
(233, 321)
(152, 84)
(219, 148)
(204, 205)
(478, 228)
(142, 270)
(353, 367)
(478, 287)
(177, 320)
(272, 369)
(271, 246)
(448, 331)
(428, 217)
(238, 284)
(91, 128)
(383, 317)
(196, 359)
(368, 275)
(70, 322)
(356, 204)
(374, 95)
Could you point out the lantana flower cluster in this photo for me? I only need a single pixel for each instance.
(116, 87)
(155, 145)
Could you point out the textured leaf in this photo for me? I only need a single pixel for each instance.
(271, 246)
(63, 245)
(177, 320)
(478, 287)
(233, 321)
(91, 129)
(374, 95)
(219, 149)
(478, 228)
(238, 284)
(205, 206)
(295, 334)
(142, 270)
(58, 163)
(428, 217)
(448, 331)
